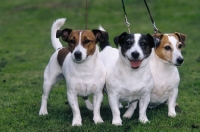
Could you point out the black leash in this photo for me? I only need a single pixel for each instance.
(125, 16)
(154, 24)
(86, 14)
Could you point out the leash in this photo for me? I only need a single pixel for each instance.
(125, 16)
(86, 14)
(154, 24)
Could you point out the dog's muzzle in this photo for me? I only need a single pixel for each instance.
(134, 62)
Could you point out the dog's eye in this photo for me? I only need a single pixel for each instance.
(179, 46)
(128, 43)
(72, 41)
(86, 41)
(142, 44)
(167, 48)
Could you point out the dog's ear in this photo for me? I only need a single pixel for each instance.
(64, 33)
(154, 42)
(58, 33)
(99, 35)
(105, 35)
(102, 37)
(181, 37)
(116, 41)
(157, 38)
(120, 39)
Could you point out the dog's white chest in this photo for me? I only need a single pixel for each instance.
(131, 87)
(85, 89)
(166, 80)
(84, 79)
(162, 90)
(134, 90)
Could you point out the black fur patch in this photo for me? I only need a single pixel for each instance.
(126, 41)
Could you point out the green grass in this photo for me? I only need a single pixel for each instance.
(25, 49)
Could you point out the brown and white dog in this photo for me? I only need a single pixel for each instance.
(81, 66)
(164, 59)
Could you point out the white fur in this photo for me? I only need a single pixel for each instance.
(166, 79)
(85, 78)
(176, 53)
(53, 71)
(81, 49)
(126, 84)
(55, 41)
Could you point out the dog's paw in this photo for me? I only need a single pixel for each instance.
(98, 120)
(170, 114)
(43, 112)
(76, 122)
(117, 122)
(127, 115)
(144, 120)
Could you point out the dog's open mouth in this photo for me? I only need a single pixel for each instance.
(135, 63)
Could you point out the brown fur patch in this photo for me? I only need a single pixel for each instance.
(88, 40)
(181, 38)
(91, 45)
(61, 55)
(74, 36)
(160, 50)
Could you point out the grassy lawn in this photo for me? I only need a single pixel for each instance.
(25, 49)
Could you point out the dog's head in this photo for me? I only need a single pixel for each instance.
(169, 49)
(135, 48)
(81, 43)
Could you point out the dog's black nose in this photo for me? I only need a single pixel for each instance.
(77, 55)
(180, 60)
(135, 54)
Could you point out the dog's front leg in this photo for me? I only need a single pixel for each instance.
(143, 104)
(114, 105)
(172, 102)
(73, 101)
(97, 99)
(128, 114)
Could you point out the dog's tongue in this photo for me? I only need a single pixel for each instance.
(135, 63)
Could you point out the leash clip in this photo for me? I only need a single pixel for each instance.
(127, 23)
(155, 28)
(154, 24)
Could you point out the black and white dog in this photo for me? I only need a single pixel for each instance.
(129, 76)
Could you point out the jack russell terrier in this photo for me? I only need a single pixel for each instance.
(80, 64)
(164, 59)
(129, 76)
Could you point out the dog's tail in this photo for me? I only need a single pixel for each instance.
(101, 28)
(56, 26)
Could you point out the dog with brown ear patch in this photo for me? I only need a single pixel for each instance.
(164, 61)
(81, 66)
